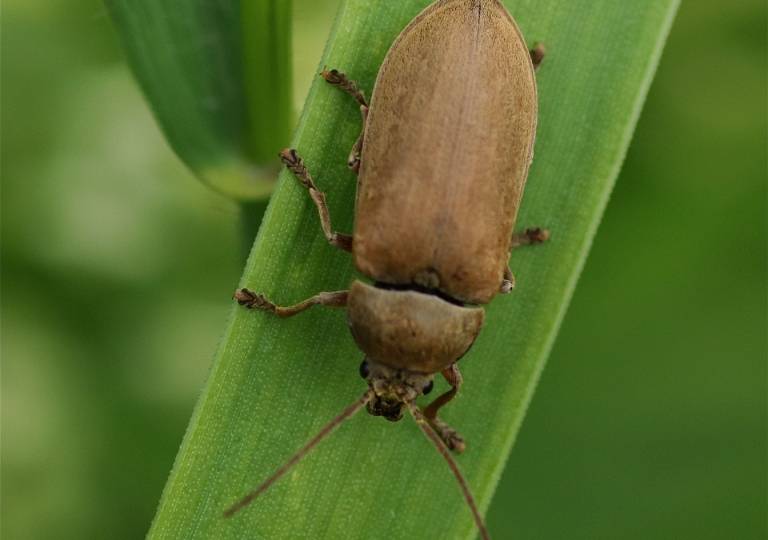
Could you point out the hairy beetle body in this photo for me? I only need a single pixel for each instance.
(445, 156)
(443, 159)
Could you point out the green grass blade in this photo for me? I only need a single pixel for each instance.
(275, 383)
(195, 70)
(267, 76)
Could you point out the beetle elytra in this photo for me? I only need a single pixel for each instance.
(442, 161)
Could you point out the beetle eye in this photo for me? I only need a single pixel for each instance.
(364, 370)
(427, 388)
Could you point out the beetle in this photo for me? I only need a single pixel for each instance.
(442, 160)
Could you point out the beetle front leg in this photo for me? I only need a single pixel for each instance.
(531, 235)
(450, 436)
(293, 161)
(252, 300)
(341, 81)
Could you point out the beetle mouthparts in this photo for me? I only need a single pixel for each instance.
(390, 409)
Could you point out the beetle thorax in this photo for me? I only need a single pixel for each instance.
(393, 388)
(410, 330)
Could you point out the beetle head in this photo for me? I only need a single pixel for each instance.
(392, 388)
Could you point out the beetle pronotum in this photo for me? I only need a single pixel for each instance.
(442, 160)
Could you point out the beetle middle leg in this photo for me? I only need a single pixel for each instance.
(450, 436)
(340, 80)
(252, 300)
(531, 235)
(293, 161)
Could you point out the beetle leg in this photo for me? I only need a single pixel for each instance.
(537, 55)
(508, 283)
(340, 80)
(450, 436)
(337, 78)
(252, 300)
(531, 235)
(353, 161)
(294, 162)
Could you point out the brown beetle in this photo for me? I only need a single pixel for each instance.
(442, 161)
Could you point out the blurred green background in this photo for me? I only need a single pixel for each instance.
(118, 267)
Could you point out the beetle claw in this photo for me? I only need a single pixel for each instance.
(252, 300)
(506, 287)
(452, 439)
(537, 235)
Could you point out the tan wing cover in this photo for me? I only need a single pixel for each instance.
(446, 152)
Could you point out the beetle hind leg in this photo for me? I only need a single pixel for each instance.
(340, 80)
(452, 439)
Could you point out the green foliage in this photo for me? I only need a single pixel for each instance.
(649, 420)
(274, 383)
(203, 67)
(117, 268)
(266, 45)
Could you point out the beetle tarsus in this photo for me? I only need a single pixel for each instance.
(295, 164)
(340, 80)
(252, 300)
(537, 55)
(452, 439)
(531, 235)
(508, 283)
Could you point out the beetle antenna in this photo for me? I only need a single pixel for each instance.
(422, 422)
(346, 413)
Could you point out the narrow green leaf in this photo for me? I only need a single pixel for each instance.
(188, 58)
(275, 383)
(267, 72)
